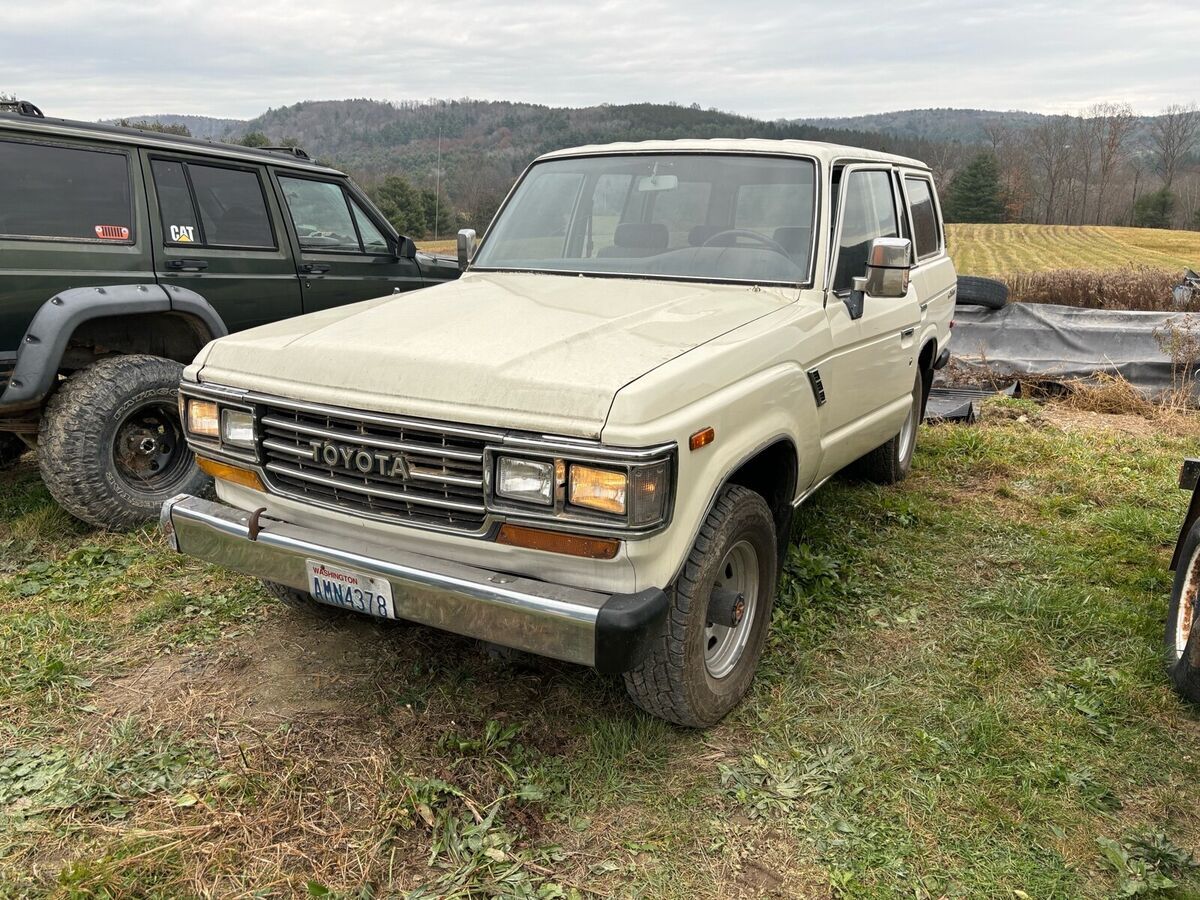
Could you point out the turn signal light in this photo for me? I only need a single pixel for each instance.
(233, 474)
(701, 438)
(557, 542)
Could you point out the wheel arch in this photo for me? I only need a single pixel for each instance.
(110, 320)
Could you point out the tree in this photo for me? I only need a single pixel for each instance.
(1050, 149)
(254, 139)
(1115, 123)
(403, 206)
(1154, 210)
(1172, 136)
(975, 193)
(159, 127)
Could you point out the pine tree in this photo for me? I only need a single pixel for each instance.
(403, 205)
(1154, 210)
(975, 193)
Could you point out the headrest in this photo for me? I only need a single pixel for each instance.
(701, 233)
(793, 238)
(641, 236)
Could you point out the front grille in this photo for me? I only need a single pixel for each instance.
(441, 485)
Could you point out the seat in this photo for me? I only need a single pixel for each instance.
(636, 239)
(795, 239)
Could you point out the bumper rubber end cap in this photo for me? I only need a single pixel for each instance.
(625, 627)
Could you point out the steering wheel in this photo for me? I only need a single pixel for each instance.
(761, 239)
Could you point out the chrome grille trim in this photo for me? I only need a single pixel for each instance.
(442, 486)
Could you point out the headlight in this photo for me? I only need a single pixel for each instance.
(202, 418)
(601, 489)
(526, 480)
(237, 428)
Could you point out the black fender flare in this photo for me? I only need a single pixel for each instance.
(55, 322)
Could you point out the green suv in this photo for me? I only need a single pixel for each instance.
(122, 253)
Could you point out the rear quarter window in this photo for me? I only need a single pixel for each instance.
(927, 230)
(64, 193)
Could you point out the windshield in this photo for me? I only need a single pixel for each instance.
(706, 216)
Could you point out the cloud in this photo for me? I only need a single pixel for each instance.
(771, 59)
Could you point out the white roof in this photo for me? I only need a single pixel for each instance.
(821, 150)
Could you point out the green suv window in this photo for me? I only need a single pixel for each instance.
(64, 193)
(327, 220)
(214, 206)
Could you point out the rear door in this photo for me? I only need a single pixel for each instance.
(217, 231)
(344, 251)
(69, 217)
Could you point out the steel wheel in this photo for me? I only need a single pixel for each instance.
(149, 451)
(908, 431)
(1187, 603)
(724, 645)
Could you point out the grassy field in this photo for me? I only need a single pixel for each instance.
(963, 696)
(1004, 249)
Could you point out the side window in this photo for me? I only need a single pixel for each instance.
(175, 202)
(64, 193)
(233, 211)
(321, 215)
(212, 206)
(869, 212)
(373, 240)
(926, 228)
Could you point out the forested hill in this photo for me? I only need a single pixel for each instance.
(937, 124)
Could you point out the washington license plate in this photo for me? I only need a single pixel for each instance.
(350, 590)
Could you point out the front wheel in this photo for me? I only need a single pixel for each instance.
(1182, 638)
(111, 447)
(705, 659)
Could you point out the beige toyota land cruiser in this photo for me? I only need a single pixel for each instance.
(590, 446)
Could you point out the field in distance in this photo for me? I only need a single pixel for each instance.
(1005, 249)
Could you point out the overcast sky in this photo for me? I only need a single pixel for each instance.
(102, 58)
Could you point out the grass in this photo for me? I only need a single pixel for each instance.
(962, 696)
(1009, 249)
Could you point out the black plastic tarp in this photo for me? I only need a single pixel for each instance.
(1064, 342)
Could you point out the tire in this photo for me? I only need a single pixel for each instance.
(111, 446)
(301, 602)
(686, 678)
(11, 449)
(976, 291)
(893, 461)
(1182, 635)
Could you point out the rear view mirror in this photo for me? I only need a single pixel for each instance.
(889, 261)
(658, 183)
(466, 248)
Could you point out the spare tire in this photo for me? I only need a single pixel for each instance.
(976, 291)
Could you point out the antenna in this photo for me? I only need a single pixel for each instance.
(437, 184)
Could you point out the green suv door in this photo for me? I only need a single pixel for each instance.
(342, 254)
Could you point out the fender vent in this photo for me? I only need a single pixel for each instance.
(818, 389)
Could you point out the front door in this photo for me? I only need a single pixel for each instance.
(343, 254)
(873, 370)
(217, 232)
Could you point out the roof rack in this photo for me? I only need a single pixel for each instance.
(22, 108)
(290, 151)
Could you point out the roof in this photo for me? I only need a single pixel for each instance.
(821, 150)
(117, 134)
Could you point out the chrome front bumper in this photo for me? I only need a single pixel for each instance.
(609, 631)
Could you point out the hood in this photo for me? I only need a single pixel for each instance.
(525, 351)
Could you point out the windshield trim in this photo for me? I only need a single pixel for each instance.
(818, 198)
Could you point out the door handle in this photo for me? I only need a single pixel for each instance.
(907, 333)
(315, 268)
(187, 265)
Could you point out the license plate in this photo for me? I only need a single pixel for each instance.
(351, 590)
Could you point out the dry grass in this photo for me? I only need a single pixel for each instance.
(448, 246)
(1004, 249)
(1130, 287)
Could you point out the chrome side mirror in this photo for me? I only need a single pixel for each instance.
(889, 262)
(466, 248)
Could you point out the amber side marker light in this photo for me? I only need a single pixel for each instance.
(701, 438)
(226, 472)
(557, 542)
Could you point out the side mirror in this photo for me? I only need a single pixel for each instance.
(889, 262)
(406, 248)
(466, 248)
